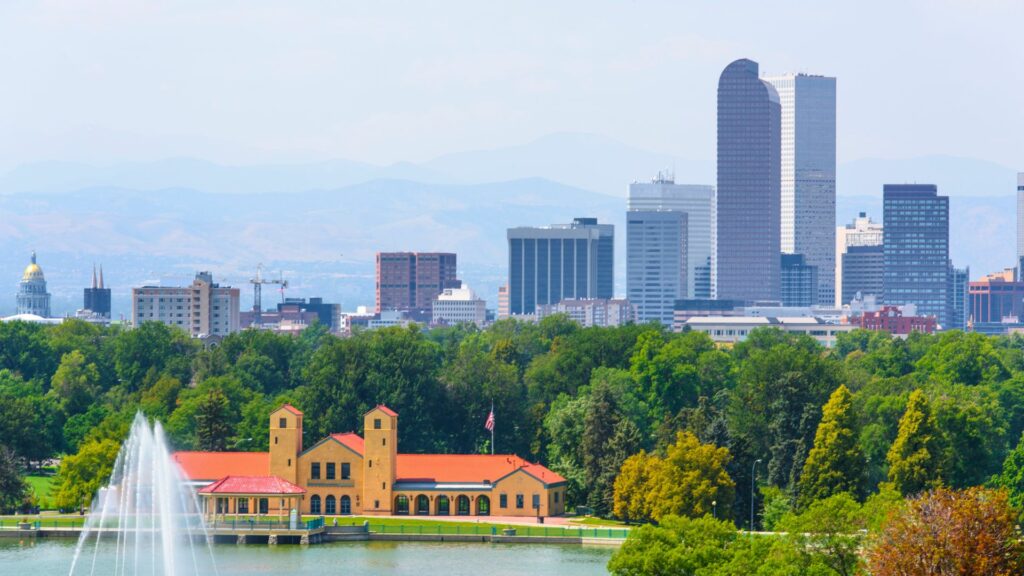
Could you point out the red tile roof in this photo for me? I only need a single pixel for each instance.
(215, 465)
(291, 409)
(476, 468)
(271, 485)
(383, 409)
(351, 440)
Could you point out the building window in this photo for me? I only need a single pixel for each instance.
(383, 441)
(376, 504)
(346, 505)
(275, 440)
(503, 501)
(536, 501)
(314, 471)
(289, 462)
(264, 506)
(282, 423)
(330, 470)
(346, 470)
(330, 505)
(242, 506)
(519, 501)
(376, 423)
(314, 504)
(383, 485)
(369, 463)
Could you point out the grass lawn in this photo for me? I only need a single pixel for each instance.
(594, 521)
(411, 525)
(42, 485)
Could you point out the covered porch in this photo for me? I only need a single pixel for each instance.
(252, 499)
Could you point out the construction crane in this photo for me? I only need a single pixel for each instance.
(257, 292)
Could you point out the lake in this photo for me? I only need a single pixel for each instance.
(53, 557)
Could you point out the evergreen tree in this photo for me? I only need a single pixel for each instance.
(836, 463)
(212, 427)
(915, 458)
(624, 441)
(12, 487)
(1012, 477)
(599, 427)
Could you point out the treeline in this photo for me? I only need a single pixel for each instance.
(580, 400)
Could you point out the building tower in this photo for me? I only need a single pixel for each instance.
(747, 263)
(97, 298)
(809, 173)
(380, 455)
(32, 295)
(656, 264)
(1020, 226)
(916, 249)
(867, 260)
(285, 442)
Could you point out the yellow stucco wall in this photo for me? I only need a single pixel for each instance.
(380, 455)
(521, 483)
(285, 444)
(332, 451)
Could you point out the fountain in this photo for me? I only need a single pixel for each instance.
(147, 516)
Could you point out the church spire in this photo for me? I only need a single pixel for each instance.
(93, 275)
(101, 275)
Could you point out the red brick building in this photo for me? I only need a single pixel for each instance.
(411, 280)
(892, 320)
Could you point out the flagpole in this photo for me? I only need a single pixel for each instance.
(492, 430)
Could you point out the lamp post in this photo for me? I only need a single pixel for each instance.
(714, 509)
(753, 478)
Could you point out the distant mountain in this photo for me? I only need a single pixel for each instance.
(955, 176)
(324, 240)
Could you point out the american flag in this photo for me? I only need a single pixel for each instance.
(490, 421)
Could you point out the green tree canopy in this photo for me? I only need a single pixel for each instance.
(835, 463)
(915, 459)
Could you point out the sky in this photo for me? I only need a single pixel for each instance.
(385, 81)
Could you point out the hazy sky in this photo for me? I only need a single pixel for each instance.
(384, 81)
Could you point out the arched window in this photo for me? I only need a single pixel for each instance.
(401, 504)
(422, 505)
(330, 505)
(314, 504)
(462, 505)
(346, 505)
(443, 506)
(483, 506)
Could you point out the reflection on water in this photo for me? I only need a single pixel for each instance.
(43, 557)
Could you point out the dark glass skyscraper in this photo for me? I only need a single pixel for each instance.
(551, 263)
(749, 186)
(916, 249)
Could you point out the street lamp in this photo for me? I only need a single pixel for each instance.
(752, 482)
(714, 509)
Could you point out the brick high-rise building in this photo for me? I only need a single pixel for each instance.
(411, 280)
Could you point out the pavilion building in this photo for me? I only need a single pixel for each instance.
(347, 473)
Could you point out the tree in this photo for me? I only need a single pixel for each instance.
(76, 383)
(691, 478)
(915, 458)
(827, 532)
(13, 489)
(956, 533)
(599, 424)
(835, 463)
(82, 474)
(679, 546)
(212, 426)
(631, 503)
(1012, 477)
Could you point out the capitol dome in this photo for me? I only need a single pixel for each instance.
(32, 271)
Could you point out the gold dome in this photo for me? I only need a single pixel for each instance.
(32, 271)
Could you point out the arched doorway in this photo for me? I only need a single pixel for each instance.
(422, 505)
(314, 504)
(443, 506)
(402, 505)
(462, 505)
(483, 506)
(346, 505)
(330, 505)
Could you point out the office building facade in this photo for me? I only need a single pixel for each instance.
(959, 297)
(862, 268)
(916, 249)
(591, 312)
(459, 306)
(203, 309)
(799, 284)
(747, 265)
(994, 301)
(808, 180)
(411, 280)
(560, 262)
(656, 262)
(698, 202)
(861, 232)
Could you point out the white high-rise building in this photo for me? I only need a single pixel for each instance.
(861, 232)
(809, 173)
(458, 306)
(202, 309)
(698, 202)
(1020, 223)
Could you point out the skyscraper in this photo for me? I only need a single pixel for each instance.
(749, 172)
(202, 309)
(959, 297)
(1020, 225)
(32, 295)
(97, 298)
(861, 232)
(411, 280)
(564, 261)
(862, 269)
(656, 262)
(698, 202)
(799, 285)
(808, 201)
(916, 247)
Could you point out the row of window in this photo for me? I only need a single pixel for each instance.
(329, 470)
(330, 505)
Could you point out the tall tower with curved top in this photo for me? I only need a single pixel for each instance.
(748, 263)
(32, 295)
